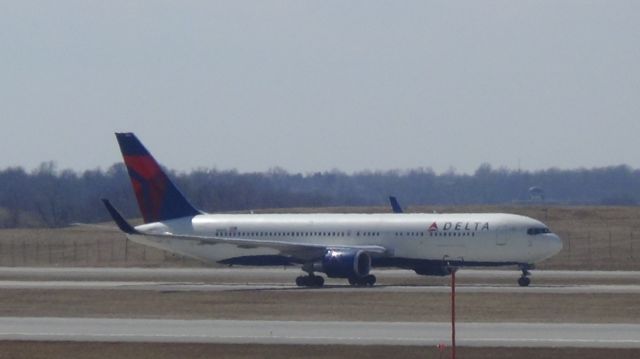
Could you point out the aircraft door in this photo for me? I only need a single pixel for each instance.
(502, 235)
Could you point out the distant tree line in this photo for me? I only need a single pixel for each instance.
(48, 197)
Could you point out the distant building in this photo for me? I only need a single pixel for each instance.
(536, 194)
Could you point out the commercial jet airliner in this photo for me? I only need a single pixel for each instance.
(338, 245)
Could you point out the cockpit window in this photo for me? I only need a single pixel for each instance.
(537, 230)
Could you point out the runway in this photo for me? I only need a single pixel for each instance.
(263, 306)
(205, 287)
(313, 332)
(100, 273)
(279, 279)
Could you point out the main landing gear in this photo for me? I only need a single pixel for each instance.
(317, 281)
(368, 280)
(524, 280)
(310, 280)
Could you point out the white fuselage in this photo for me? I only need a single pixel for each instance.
(472, 238)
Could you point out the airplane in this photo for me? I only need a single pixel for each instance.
(339, 245)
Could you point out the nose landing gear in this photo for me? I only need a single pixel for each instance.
(524, 280)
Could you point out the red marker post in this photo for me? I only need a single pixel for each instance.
(453, 313)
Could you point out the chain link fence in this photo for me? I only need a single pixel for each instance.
(606, 249)
(69, 249)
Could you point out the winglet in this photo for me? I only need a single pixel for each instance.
(395, 205)
(117, 217)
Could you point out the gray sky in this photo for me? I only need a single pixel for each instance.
(311, 86)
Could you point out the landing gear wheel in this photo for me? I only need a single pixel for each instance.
(524, 281)
(356, 281)
(370, 280)
(309, 281)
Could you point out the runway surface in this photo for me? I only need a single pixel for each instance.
(204, 287)
(236, 279)
(312, 332)
(98, 273)
(173, 289)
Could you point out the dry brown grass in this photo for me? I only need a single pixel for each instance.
(604, 238)
(292, 304)
(80, 247)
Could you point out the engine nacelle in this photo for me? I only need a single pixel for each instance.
(345, 264)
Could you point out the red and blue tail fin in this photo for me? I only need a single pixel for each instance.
(158, 198)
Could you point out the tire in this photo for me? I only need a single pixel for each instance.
(318, 281)
(300, 282)
(370, 280)
(524, 281)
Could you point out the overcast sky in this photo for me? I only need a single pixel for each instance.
(320, 85)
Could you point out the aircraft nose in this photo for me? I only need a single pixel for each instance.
(555, 244)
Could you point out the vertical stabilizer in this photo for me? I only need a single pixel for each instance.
(158, 198)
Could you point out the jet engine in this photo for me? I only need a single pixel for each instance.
(345, 264)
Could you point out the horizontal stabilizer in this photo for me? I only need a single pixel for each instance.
(117, 217)
(95, 227)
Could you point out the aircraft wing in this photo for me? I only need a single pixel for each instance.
(300, 252)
